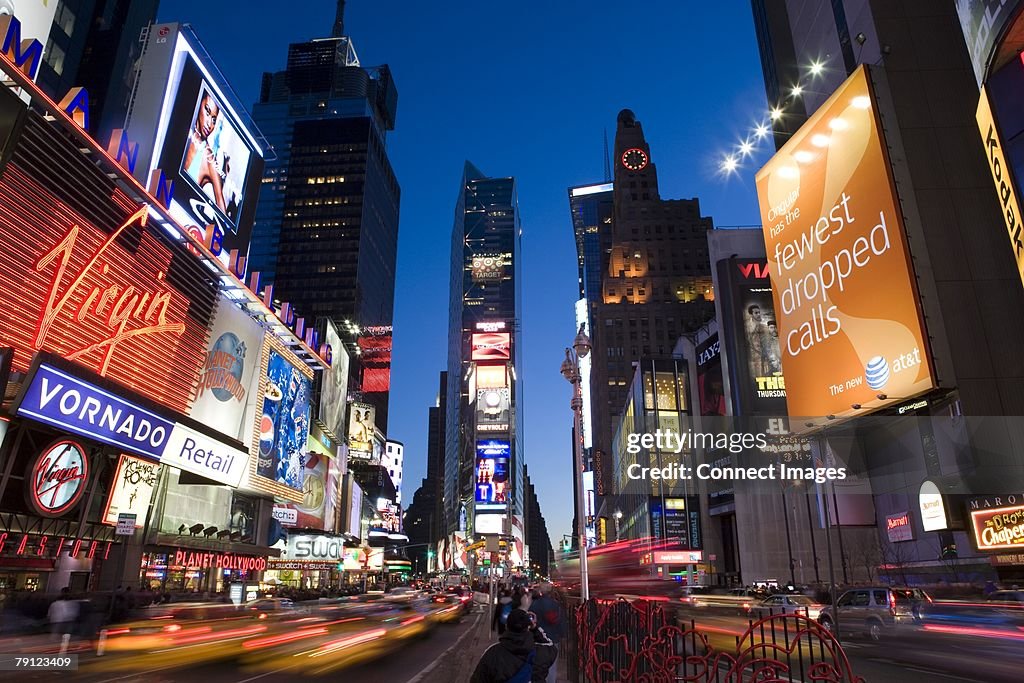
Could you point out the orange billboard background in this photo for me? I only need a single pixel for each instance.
(850, 326)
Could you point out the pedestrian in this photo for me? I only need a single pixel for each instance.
(502, 610)
(62, 614)
(523, 654)
(550, 619)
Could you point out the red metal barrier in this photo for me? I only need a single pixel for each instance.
(620, 641)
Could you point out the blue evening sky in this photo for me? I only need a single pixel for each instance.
(522, 89)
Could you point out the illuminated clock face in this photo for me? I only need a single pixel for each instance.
(634, 159)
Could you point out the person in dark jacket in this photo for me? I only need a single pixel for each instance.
(502, 610)
(503, 660)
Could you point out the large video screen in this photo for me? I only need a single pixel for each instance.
(201, 140)
(492, 471)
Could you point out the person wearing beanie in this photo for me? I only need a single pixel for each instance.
(522, 653)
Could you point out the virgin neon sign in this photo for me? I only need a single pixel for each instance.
(109, 304)
(116, 299)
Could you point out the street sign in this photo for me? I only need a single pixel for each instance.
(125, 524)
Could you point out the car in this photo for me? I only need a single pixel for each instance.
(270, 605)
(875, 610)
(1008, 597)
(782, 603)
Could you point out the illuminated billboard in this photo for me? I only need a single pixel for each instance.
(752, 339)
(849, 320)
(489, 524)
(284, 420)
(583, 318)
(360, 430)
(320, 483)
(493, 410)
(710, 383)
(375, 358)
(96, 283)
(491, 376)
(1000, 117)
(998, 528)
(489, 346)
(229, 375)
(334, 386)
(191, 130)
(489, 267)
(492, 471)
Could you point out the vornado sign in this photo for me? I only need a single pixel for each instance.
(999, 528)
(304, 548)
(850, 328)
(1002, 178)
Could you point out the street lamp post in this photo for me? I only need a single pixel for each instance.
(618, 517)
(571, 372)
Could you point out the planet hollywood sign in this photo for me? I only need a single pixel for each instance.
(201, 560)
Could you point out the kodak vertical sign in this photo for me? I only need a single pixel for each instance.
(850, 328)
(1002, 178)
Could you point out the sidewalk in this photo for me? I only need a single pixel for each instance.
(459, 663)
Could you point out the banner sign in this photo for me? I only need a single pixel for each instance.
(57, 398)
(899, 528)
(999, 528)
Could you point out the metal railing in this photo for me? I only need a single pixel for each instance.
(618, 640)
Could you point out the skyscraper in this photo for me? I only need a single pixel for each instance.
(483, 453)
(652, 282)
(95, 44)
(423, 518)
(326, 228)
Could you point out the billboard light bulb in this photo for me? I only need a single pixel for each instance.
(803, 156)
(820, 140)
(776, 114)
(761, 130)
(789, 172)
(729, 164)
(838, 124)
(862, 102)
(816, 68)
(746, 147)
(797, 90)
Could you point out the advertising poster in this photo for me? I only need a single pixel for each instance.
(375, 358)
(492, 471)
(710, 385)
(360, 430)
(202, 140)
(752, 333)
(487, 267)
(488, 376)
(319, 492)
(982, 22)
(132, 489)
(493, 409)
(492, 346)
(1000, 117)
(847, 311)
(284, 425)
(229, 373)
(334, 385)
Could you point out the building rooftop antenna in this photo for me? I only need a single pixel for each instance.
(607, 161)
(339, 21)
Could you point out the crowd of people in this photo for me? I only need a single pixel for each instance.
(531, 624)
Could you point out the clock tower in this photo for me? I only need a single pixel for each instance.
(636, 178)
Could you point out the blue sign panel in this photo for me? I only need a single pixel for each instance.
(63, 401)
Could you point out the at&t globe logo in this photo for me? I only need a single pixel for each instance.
(876, 372)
